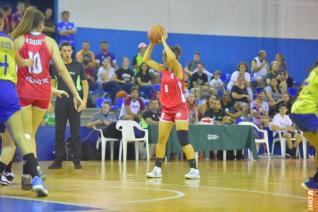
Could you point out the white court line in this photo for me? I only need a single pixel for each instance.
(243, 190)
(179, 194)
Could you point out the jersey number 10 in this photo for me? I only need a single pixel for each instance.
(5, 64)
(37, 67)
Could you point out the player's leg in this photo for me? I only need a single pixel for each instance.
(7, 153)
(182, 127)
(312, 182)
(15, 128)
(164, 129)
(31, 119)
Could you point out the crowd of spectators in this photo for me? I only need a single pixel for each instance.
(255, 92)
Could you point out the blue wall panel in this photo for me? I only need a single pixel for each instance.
(218, 52)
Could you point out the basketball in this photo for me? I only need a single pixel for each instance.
(154, 33)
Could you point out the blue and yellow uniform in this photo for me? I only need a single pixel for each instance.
(9, 102)
(304, 111)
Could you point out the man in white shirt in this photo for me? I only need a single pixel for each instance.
(281, 122)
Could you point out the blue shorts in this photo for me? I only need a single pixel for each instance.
(9, 101)
(2, 127)
(305, 122)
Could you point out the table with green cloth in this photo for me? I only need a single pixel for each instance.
(210, 137)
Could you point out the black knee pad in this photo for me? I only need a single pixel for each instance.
(183, 137)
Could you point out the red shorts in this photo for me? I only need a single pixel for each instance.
(41, 104)
(180, 112)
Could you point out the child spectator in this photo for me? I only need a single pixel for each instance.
(216, 84)
(281, 122)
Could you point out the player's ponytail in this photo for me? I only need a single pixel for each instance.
(31, 19)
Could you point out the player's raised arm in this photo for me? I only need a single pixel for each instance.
(151, 63)
(172, 57)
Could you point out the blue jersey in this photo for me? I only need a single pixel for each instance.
(62, 26)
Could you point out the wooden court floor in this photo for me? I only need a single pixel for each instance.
(263, 185)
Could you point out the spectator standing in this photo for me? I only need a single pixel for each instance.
(65, 110)
(66, 30)
(104, 54)
(17, 16)
(49, 26)
(125, 76)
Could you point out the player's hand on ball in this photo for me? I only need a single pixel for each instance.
(61, 93)
(163, 36)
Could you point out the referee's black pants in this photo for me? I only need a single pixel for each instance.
(65, 110)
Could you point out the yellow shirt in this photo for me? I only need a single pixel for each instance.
(7, 59)
(307, 100)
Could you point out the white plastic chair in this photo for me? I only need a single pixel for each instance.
(128, 135)
(258, 141)
(103, 140)
(278, 137)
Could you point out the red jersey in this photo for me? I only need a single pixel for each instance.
(35, 82)
(171, 90)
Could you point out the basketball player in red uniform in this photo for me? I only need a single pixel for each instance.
(174, 107)
(34, 84)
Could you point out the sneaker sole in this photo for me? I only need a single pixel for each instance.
(192, 178)
(153, 176)
(5, 184)
(40, 191)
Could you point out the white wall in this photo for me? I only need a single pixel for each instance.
(257, 18)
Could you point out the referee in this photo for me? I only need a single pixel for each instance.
(65, 110)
